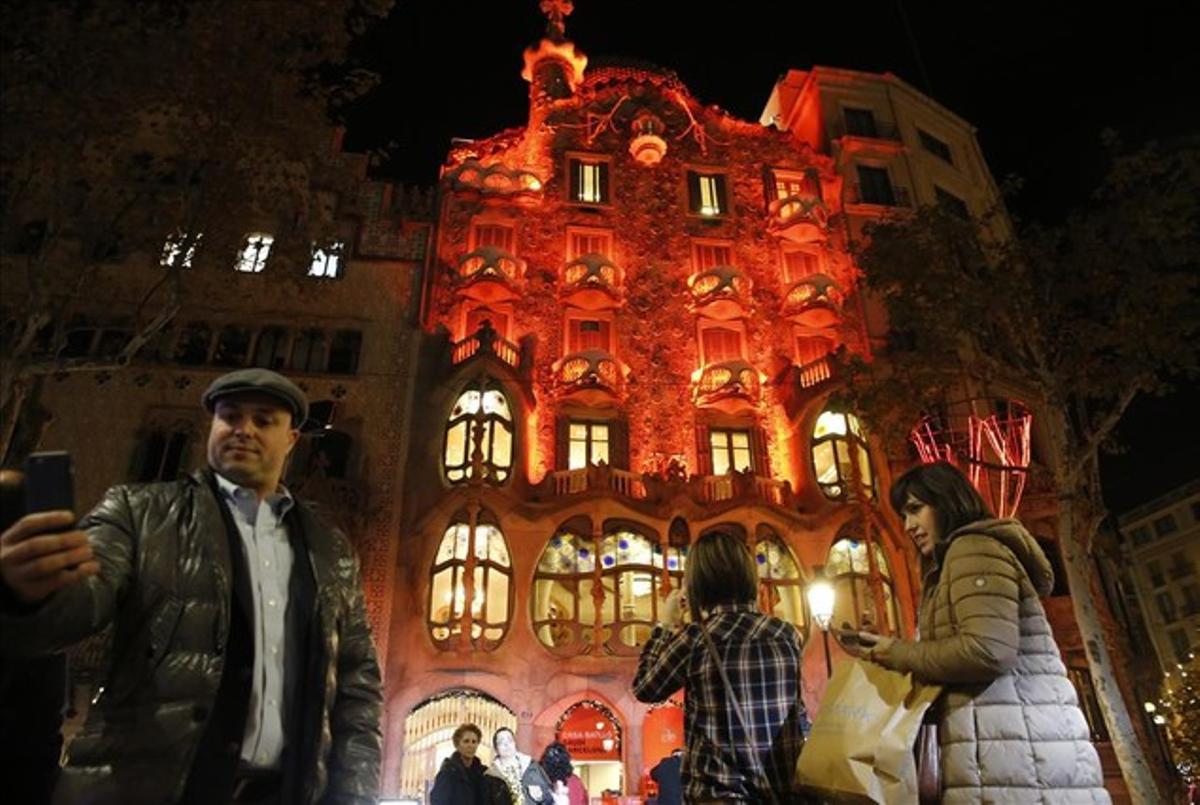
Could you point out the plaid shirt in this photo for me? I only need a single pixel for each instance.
(761, 655)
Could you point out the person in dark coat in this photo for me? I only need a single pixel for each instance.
(460, 780)
(667, 774)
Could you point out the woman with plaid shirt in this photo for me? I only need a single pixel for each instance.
(751, 758)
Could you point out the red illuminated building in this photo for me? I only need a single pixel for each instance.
(629, 312)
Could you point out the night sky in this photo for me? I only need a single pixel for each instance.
(1040, 81)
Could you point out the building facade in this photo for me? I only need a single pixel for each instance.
(629, 316)
(1161, 543)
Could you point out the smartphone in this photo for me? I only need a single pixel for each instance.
(49, 482)
(847, 637)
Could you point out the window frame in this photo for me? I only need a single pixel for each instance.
(728, 434)
(932, 144)
(693, 191)
(589, 441)
(261, 244)
(494, 473)
(458, 568)
(576, 161)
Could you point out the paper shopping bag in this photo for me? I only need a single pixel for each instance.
(861, 745)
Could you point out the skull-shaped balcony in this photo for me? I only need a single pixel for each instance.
(591, 377)
(592, 282)
(730, 386)
(473, 179)
(815, 301)
(721, 292)
(801, 219)
(489, 274)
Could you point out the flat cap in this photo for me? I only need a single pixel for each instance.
(262, 381)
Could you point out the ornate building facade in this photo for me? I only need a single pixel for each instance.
(630, 312)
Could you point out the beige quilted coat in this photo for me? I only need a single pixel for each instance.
(1010, 727)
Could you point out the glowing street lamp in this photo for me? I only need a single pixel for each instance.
(820, 605)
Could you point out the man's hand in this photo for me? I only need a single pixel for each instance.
(37, 559)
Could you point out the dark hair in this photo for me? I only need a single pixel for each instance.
(463, 730)
(496, 735)
(941, 485)
(556, 760)
(719, 570)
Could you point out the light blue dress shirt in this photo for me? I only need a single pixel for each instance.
(269, 558)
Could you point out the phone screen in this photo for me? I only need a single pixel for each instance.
(49, 482)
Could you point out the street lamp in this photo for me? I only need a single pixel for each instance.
(820, 605)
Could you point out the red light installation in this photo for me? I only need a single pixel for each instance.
(994, 450)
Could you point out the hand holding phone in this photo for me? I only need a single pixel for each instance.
(40, 553)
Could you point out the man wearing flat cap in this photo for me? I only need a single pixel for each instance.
(243, 667)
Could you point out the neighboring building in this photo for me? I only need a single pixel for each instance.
(1161, 543)
(342, 326)
(629, 315)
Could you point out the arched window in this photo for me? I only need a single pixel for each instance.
(837, 440)
(579, 586)
(780, 585)
(849, 570)
(481, 418)
(475, 565)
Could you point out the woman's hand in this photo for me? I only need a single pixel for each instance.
(872, 644)
(671, 614)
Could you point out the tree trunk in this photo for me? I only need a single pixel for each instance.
(1138, 777)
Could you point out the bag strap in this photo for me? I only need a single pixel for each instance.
(737, 709)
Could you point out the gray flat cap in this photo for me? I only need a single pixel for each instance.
(263, 381)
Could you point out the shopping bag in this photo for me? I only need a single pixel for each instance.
(861, 745)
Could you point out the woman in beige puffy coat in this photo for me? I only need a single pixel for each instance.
(1009, 723)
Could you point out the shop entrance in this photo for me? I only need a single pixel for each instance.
(429, 730)
(592, 734)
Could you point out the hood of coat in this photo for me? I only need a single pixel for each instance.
(1012, 535)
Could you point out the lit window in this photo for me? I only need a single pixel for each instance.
(848, 568)
(588, 241)
(707, 194)
(799, 264)
(498, 236)
(792, 185)
(622, 575)
(836, 437)
(179, 250)
(589, 181)
(253, 257)
(587, 334)
(711, 255)
(489, 409)
(326, 262)
(471, 563)
(720, 344)
(730, 450)
(780, 586)
(587, 444)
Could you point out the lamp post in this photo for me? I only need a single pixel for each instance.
(820, 606)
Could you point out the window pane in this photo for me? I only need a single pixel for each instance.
(502, 452)
(823, 462)
(577, 457)
(829, 423)
(456, 445)
(741, 439)
(741, 459)
(497, 598)
(798, 265)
